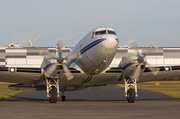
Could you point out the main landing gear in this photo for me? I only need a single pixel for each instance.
(130, 93)
(53, 95)
(52, 86)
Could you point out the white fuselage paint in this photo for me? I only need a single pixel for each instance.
(96, 51)
(96, 54)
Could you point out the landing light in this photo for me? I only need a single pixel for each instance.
(167, 68)
(12, 70)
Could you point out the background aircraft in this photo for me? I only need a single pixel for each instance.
(87, 66)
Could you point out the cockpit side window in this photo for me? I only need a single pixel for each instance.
(111, 32)
(100, 32)
(92, 35)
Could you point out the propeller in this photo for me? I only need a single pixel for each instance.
(60, 61)
(141, 59)
(29, 41)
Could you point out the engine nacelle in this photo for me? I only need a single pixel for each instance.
(131, 67)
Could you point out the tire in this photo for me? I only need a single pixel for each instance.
(63, 98)
(53, 95)
(131, 95)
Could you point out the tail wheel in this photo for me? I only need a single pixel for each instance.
(131, 95)
(53, 95)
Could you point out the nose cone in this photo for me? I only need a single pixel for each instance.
(110, 42)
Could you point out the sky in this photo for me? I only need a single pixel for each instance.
(147, 21)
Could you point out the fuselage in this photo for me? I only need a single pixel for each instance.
(94, 53)
(97, 50)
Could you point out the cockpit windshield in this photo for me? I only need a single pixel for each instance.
(100, 32)
(111, 32)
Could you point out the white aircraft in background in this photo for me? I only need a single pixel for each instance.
(29, 41)
(87, 65)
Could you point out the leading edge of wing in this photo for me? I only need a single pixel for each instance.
(163, 68)
(115, 70)
(160, 68)
(31, 70)
(21, 69)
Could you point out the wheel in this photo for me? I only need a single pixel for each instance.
(53, 95)
(131, 95)
(63, 98)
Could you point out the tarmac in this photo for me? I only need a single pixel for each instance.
(105, 103)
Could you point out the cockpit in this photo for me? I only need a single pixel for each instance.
(102, 32)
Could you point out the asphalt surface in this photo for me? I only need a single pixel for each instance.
(105, 103)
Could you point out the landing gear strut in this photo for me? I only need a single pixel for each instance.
(130, 93)
(52, 86)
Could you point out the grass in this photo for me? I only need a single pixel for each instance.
(168, 88)
(5, 92)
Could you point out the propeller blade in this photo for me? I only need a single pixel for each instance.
(13, 38)
(154, 70)
(135, 46)
(74, 56)
(37, 37)
(137, 72)
(47, 54)
(59, 46)
(51, 69)
(67, 72)
(32, 33)
(151, 50)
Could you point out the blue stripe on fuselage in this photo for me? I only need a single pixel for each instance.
(91, 45)
(117, 39)
(87, 48)
(127, 65)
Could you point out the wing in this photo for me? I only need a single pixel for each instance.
(110, 76)
(114, 70)
(29, 78)
(20, 75)
(24, 75)
(114, 75)
(165, 72)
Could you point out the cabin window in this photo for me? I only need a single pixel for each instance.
(111, 32)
